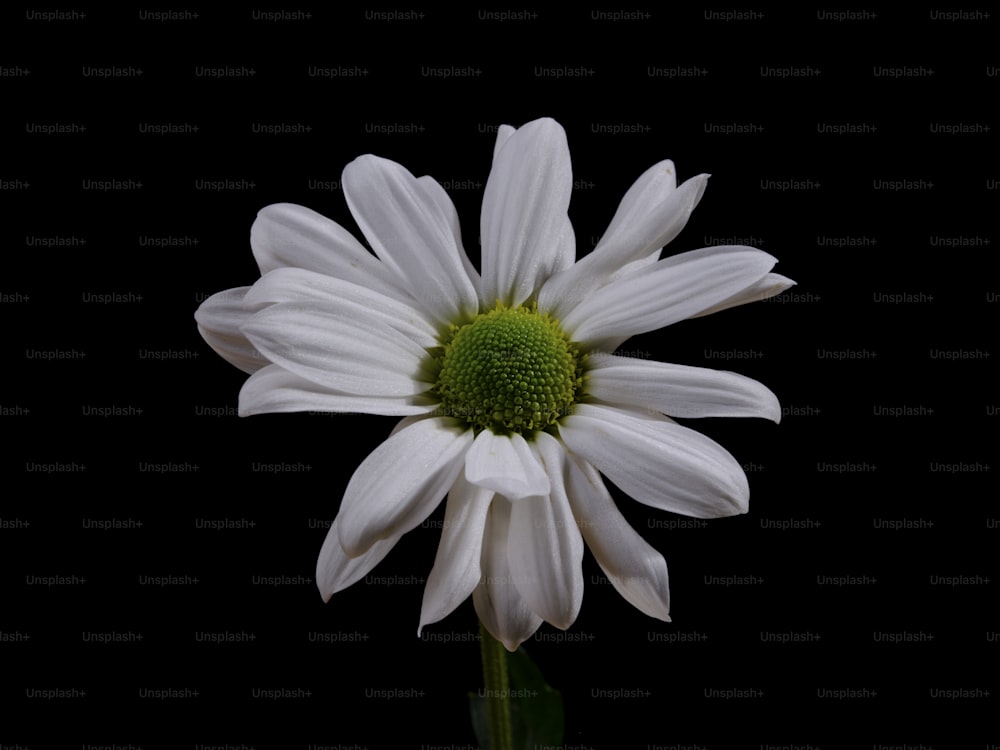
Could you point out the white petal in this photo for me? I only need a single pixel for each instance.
(688, 196)
(401, 482)
(440, 196)
(333, 346)
(504, 132)
(300, 285)
(219, 319)
(650, 215)
(545, 548)
(335, 571)
(524, 211)
(565, 248)
(408, 228)
(658, 462)
(406, 422)
(678, 390)
(456, 570)
(771, 285)
(673, 289)
(274, 389)
(287, 235)
(636, 570)
(505, 464)
(497, 600)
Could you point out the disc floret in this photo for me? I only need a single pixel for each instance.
(511, 369)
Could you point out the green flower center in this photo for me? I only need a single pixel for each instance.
(512, 369)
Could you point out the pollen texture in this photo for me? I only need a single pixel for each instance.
(511, 369)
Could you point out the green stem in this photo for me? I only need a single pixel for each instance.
(497, 690)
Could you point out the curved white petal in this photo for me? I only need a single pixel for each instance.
(678, 390)
(671, 215)
(565, 255)
(497, 600)
(636, 570)
(335, 571)
(287, 235)
(672, 289)
(545, 549)
(771, 285)
(504, 132)
(333, 346)
(408, 228)
(651, 214)
(505, 464)
(456, 570)
(658, 462)
(219, 319)
(440, 196)
(300, 285)
(275, 390)
(401, 482)
(524, 211)
(413, 419)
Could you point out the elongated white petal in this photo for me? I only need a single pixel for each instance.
(524, 211)
(408, 228)
(504, 132)
(334, 347)
(771, 285)
(673, 289)
(545, 548)
(497, 600)
(658, 462)
(650, 215)
(678, 390)
(505, 464)
(219, 319)
(565, 255)
(407, 421)
(401, 482)
(456, 570)
(299, 285)
(287, 235)
(440, 196)
(636, 570)
(273, 390)
(335, 571)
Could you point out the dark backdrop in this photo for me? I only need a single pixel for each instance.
(853, 607)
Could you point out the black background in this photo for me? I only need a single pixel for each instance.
(863, 608)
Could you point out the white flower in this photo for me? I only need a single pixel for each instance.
(513, 403)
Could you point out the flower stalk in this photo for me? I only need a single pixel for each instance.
(497, 691)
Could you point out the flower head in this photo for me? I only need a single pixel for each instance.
(512, 399)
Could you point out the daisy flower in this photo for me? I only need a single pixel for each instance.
(513, 402)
